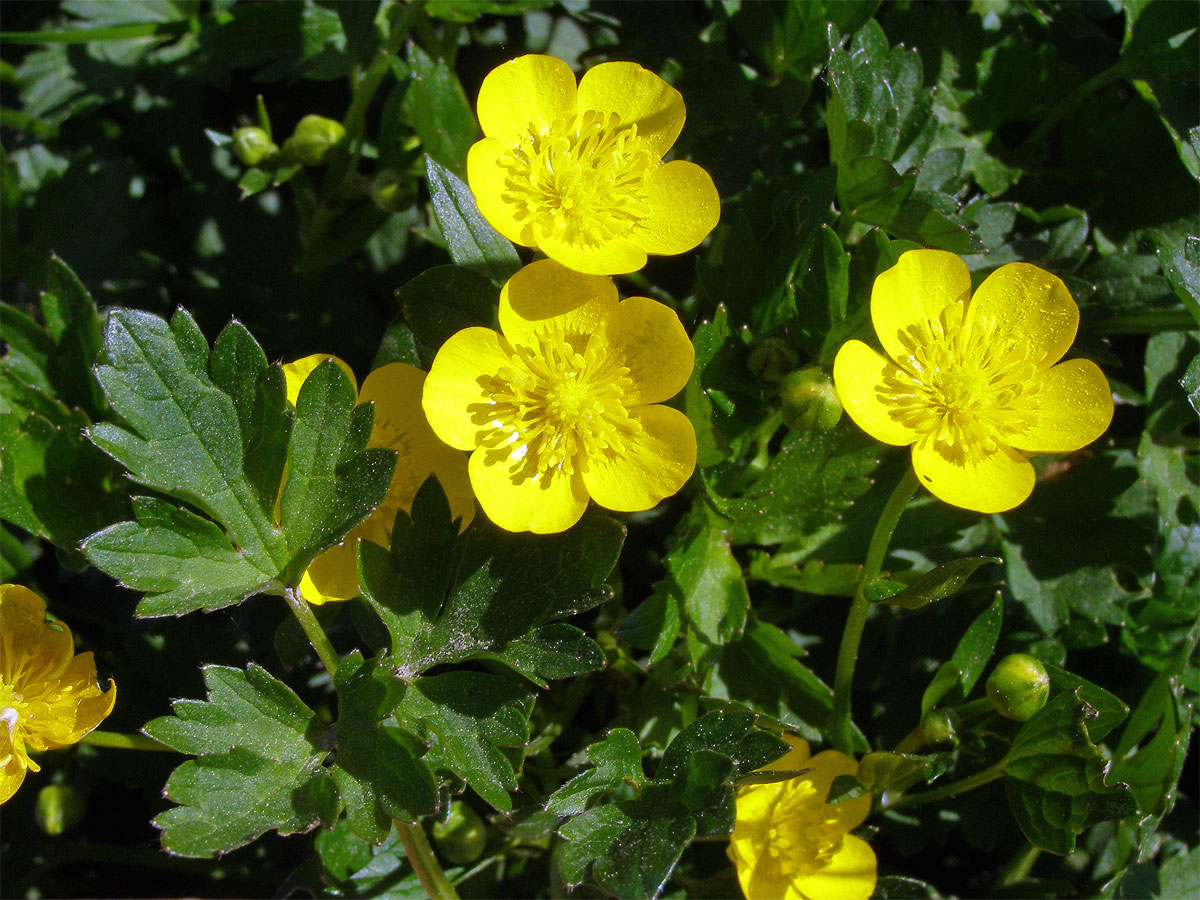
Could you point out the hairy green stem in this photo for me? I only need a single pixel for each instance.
(1150, 322)
(840, 724)
(979, 779)
(119, 741)
(425, 865)
(313, 630)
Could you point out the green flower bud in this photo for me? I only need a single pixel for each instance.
(461, 838)
(389, 190)
(809, 400)
(1018, 687)
(313, 138)
(59, 808)
(252, 146)
(770, 359)
(940, 728)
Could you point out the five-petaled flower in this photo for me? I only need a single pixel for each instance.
(577, 171)
(972, 382)
(395, 389)
(565, 403)
(49, 697)
(788, 843)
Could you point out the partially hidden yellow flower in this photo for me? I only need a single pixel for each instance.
(395, 389)
(971, 381)
(577, 171)
(49, 697)
(788, 843)
(564, 404)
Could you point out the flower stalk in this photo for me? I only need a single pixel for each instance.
(840, 724)
(118, 741)
(425, 865)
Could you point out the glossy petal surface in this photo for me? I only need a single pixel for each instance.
(917, 288)
(1032, 305)
(638, 97)
(987, 483)
(858, 376)
(655, 465)
(850, 875)
(543, 505)
(648, 338)
(530, 89)
(454, 384)
(1075, 406)
(683, 208)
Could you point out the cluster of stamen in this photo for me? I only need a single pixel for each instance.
(805, 833)
(969, 384)
(579, 179)
(563, 399)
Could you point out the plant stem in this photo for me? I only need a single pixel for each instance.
(1150, 322)
(1018, 868)
(979, 779)
(364, 90)
(424, 863)
(312, 629)
(120, 741)
(1074, 100)
(840, 724)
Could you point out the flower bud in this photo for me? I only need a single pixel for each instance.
(1018, 687)
(252, 146)
(940, 729)
(809, 400)
(389, 191)
(770, 359)
(313, 138)
(59, 808)
(461, 838)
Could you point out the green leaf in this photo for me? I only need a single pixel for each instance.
(377, 769)
(639, 861)
(1110, 710)
(442, 301)
(616, 760)
(938, 584)
(212, 433)
(653, 625)
(551, 651)
(954, 679)
(472, 716)
(881, 770)
(822, 289)
(258, 768)
(438, 109)
(1055, 776)
(471, 240)
(729, 734)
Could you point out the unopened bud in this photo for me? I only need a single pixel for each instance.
(252, 146)
(389, 191)
(313, 139)
(462, 837)
(59, 808)
(1018, 687)
(940, 728)
(809, 400)
(770, 359)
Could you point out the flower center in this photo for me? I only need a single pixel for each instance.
(968, 385)
(580, 179)
(13, 708)
(805, 833)
(559, 402)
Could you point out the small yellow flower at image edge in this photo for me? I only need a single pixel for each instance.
(577, 171)
(973, 383)
(395, 389)
(49, 696)
(789, 843)
(565, 403)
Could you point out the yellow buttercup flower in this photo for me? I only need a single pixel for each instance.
(49, 697)
(399, 425)
(577, 171)
(788, 843)
(972, 382)
(564, 404)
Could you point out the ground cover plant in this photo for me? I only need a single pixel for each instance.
(526, 449)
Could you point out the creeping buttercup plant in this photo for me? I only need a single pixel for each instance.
(535, 449)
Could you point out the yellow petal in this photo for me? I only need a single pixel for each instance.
(529, 91)
(1030, 304)
(543, 505)
(1075, 406)
(453, 384)
(40, 651)
(639, 97)
(648, 338)
(614, 257)
(655, 464)
(80, 705)
(858, 378)
(486, 178)
(986, 483)
(546, 294)
(11, 776)
(296, 372)
(395, 389)
(918, 287)
(849, 875)
(332, 576)
(796, 758)
(684, 208)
